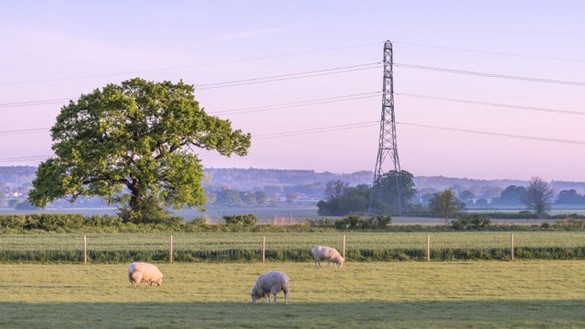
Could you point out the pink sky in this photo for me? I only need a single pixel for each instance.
(59, 50)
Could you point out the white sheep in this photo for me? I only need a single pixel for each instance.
(327, 253)
(270, 283)
(144, 272)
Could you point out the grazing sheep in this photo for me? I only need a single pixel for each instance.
(327, 253)
(144, 272)
(270, 283)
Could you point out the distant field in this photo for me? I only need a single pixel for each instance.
(265, 215)
(284, 214)
(289, 246)
(520, 294)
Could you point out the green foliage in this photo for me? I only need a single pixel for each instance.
(570, 224)
(470, 222)
(150, 211)
(364, 223)
(228, 198)
(393, 192)
(445, 204)
(512, 195)
(344, 199)
(240, 221)
(132, 142)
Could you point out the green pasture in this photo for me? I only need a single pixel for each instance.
(290, 246)
(482, 294)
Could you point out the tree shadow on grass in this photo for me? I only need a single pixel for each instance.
(367, 314)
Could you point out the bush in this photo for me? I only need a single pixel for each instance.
(356, 222)
(240, 221)
(570, 224)
(470, 222)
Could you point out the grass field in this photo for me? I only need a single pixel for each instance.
(482, 294)
(244, 246)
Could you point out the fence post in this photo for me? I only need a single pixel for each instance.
(171, 251)
(85, 249)
(343, 246)
(512, 246)
(263, 248)
(428, 247)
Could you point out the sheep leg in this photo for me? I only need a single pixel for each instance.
(275, 293)
(136, 278)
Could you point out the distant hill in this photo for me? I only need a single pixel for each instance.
(252, 179)
(307, 182)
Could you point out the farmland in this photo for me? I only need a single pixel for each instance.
(290, 246)
(45, 283)
(484, 294)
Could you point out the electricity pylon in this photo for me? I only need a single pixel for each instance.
(387, 147)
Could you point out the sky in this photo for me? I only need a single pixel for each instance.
(482, 89)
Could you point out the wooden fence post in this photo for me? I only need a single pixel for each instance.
(263, 248)
(428, 247)
(85, 249)
(171, 251)
(343, 246)
(512, 246)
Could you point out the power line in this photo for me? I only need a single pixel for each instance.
(260, 58)
(20, 131)
(544, 139)
(309, 74)
(318, 101)
(251, 59)
(268, 79)
(35, 103)
(290, 76)
(490, 75)
(560, 59)
(259, 137)
(316, 130)
(357, 126)
(518, 107)
(26, 158)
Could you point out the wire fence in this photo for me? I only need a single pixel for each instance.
(259, 247)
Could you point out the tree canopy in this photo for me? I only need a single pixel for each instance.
(445, 204)
(133, 143)
(343, 199)
(393, 191)
(538, 196)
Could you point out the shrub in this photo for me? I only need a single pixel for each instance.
(470, 222)
(353, 222)
(240, 221)
(569, 224)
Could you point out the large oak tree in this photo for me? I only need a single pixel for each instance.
(133, 143)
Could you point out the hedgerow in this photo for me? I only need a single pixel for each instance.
(71, 223)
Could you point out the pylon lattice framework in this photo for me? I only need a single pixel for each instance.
(387, 147)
